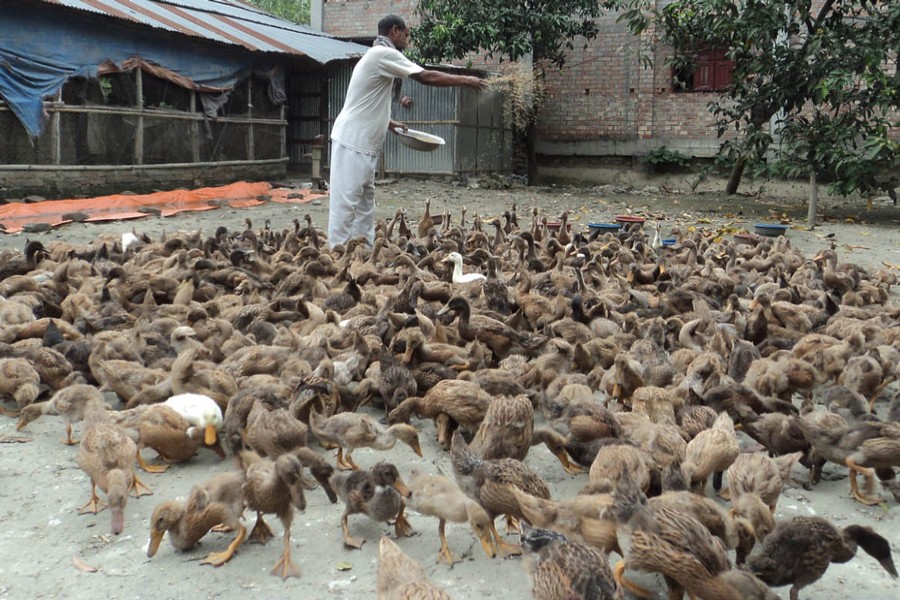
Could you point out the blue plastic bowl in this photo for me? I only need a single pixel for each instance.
(603, 226)
(669, 242)
(770, 229)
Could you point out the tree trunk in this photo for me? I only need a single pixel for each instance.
(813, 199)
(530, 139)
(735, 179)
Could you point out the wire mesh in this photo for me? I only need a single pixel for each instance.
(95, 122)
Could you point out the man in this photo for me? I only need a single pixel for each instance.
(360, 129)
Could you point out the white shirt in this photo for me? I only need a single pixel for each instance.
(363, 122)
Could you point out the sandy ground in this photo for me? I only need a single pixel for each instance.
(41, 486)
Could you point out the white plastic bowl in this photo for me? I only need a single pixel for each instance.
(419, 140)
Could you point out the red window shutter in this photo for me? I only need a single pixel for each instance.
(722, 74)
(703, 75)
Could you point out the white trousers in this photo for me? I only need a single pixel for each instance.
(351, 207)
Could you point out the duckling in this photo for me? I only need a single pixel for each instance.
(488, 482)
(216, 502)
(562, 569)
(712, 450)
(378, 493)
(438, 496)
(19, 381)
(799, 551)
(106, 455)
(401, 578)
(71, 403)
(458, 275)
(163, 429)
(356, 430)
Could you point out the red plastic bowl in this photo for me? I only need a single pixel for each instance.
(629, 219)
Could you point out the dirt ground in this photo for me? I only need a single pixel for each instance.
(45, 541)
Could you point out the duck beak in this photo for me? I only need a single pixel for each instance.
(487, 542)
(754, 303)
(118, 521)
(155, 538)
(21, 425)
(400, 486)
(416, 447)
(209, 437)
(444, 310)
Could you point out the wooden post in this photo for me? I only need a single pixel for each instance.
(139, 130)
(250, 149)
(55, 131)
(195, 131)
(813, 199)
(284, 131)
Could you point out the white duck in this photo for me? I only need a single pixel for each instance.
(458, 275)
(200, 411)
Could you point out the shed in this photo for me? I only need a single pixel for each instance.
(97, 96)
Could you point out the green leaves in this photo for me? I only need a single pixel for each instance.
(451, 29)
(819, 73)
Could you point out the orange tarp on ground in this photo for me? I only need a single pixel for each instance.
(14, 216)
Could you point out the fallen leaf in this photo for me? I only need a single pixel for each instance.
(856, 247)
(343, 566)
(82, 566)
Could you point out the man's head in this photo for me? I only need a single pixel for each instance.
(394, 28)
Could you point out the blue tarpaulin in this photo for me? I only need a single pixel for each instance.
(39, 51)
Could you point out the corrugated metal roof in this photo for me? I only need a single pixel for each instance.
(228, 21)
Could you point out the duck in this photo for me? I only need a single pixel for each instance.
(577, 518)
(274, 487)
(163, 429)
(712, 450)
(507, 431)
(273, 432)
(106, 455)
(200, 411)
(496, 335)
(402, 578)
(451, 403)
(760, 475)
(674, 543)
(377, 493)
(488, 482)
(562, 569)
(217, 502)
(19, 381)
(801, 549)
(438, 496)
(70, 402)
(862, 447)
(458, 275)
(356, 430)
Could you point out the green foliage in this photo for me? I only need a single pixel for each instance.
(296, 11)
(663, 157)
(508, 29)
(823, 72)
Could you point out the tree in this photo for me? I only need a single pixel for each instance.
(824, 73)
(508, 29)
(290, 10)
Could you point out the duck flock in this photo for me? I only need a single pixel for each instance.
(683, 386)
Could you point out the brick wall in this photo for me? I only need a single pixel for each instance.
(601, 103)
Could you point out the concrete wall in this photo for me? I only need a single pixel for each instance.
(70, 183)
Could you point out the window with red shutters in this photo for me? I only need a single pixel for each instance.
(711, 72)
